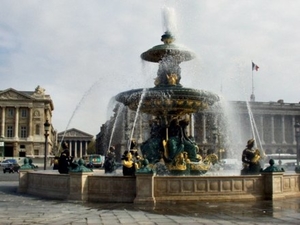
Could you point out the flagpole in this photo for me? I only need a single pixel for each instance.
(252, 82)
(252, 97)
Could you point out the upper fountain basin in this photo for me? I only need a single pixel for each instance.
(173, 100)
(158, 52)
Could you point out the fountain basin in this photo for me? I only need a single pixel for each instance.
(158, 53)
(171, 100)
(149, 188)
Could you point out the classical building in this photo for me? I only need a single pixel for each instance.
(77, 140)
(22, 118)
(270, 123)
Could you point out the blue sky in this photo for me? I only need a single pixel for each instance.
(85, 52)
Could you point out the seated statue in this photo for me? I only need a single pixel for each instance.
(250, 159)
(153, 146)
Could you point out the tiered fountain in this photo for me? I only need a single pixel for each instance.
(171, 104)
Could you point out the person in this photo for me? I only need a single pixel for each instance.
(109, 163)
(65, 160)
(250, 159)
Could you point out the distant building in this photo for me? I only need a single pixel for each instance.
(273, 127)
(22, 118)
(77, 140)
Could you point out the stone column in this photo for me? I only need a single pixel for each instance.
(17, 122)
(86, 147)
(144, 188)
(70, 148)
(75, 148)
(283, 129)
(3, 122)
(272, 130)
(294, 132)
(79, 186)
(30, 123)
(80, 149)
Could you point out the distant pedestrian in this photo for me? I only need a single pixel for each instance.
(65, 160)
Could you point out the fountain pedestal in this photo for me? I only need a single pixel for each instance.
(273, 185)
(144, 188)
(78, 188)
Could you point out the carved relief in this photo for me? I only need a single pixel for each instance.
(36, 113)
(11, 95)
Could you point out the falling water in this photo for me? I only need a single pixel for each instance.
(85, 95)
(119, 112)
(254, 129)
(136, 116)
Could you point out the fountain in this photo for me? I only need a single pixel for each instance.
(171, 105)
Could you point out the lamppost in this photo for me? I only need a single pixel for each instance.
(297, 134)
(46, 128)
(279, 152)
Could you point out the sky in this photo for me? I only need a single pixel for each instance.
(83, 53)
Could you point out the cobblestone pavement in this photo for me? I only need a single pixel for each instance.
(19, 209)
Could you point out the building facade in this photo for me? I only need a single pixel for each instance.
(226, 126)
(77, 140)
(22, 118)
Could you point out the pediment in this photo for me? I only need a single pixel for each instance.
(11, 94)
(75, 133)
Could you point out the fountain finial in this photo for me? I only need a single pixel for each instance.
(167, 38)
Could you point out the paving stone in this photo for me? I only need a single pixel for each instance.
(22, 209)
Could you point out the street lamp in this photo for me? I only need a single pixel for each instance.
(279, 152)
(46, 128)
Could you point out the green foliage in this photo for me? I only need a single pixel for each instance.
(91, 147)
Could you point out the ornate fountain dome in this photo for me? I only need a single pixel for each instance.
(168, 97)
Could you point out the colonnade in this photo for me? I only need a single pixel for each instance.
(16, 121)
(78, 148)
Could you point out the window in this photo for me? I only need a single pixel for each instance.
(24, 112)
(37, 129)
(10, 112)
(23, 132)
(36, 152)
(9, 131)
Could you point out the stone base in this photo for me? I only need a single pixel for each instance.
(150, 189)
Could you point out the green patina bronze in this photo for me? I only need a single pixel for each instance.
(145, 168)
(27, 165)
(272, 168)
(80, 168)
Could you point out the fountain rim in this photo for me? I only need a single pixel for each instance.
(158, 52)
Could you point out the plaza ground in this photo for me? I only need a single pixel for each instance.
(25, 209)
